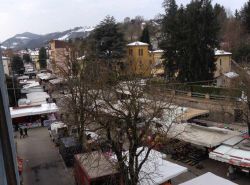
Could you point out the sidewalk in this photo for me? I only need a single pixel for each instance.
(42, 163)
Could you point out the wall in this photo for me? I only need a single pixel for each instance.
(223, 65)
(143, 65)
(139, 64)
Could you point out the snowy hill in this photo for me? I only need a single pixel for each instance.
(30, 40)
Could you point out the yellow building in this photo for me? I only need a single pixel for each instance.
(223, 62)
(141, 61)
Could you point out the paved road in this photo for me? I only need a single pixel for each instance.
(42, 162)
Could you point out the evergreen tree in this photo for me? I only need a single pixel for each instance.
(237, 14)
(245, 16)
(17, 65)
(145, 37)
(220, 13)
(190, 36)
(42, 58)
(108, 41)
(26, 58)
(169, 36)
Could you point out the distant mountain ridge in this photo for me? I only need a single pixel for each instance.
(31, 40)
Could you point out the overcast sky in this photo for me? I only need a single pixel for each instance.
(44, 16)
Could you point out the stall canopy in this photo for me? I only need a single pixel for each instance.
(33, 110)
(208, 179)
(37, 98)
(156, 170)
(56, 81)
(200, 135)
(30, 85)
(46, 76)
(238, 154)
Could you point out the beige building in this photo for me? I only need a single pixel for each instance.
(223, 62)
(60, 54)
(230, 79)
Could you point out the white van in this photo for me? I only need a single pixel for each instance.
(57, 131)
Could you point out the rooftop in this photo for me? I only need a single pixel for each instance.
(231, 75)
(156, 170)
(208, 179)
(221, 52)
(33, 110)
(137, 43)
(96, 164)
(200, 135)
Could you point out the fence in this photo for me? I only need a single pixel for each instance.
(201, 95)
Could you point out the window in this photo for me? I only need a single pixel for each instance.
(140, 52)
(131, 52)
(220, 62)
(238, 115)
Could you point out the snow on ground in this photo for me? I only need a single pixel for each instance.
(65, 37)
(85, 29)
(3, 47)
(22, 38)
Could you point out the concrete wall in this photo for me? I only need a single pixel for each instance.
(220, 111)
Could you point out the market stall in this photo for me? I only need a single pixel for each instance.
(208, 179)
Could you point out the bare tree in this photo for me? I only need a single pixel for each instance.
(245, 99)
(127, 114)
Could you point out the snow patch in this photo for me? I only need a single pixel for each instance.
(22, 38)
(65, 37)
(85, 29)
(3, 47)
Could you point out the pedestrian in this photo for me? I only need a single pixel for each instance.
(26, 131)
(21, 132)
(231, 172)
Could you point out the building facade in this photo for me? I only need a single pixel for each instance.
(141, 61)
(60, 55)
(223, 62)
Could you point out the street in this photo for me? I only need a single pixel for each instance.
(42, 163)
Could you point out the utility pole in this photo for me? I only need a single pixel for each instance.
(8, 159)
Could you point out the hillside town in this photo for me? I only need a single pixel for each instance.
(161, 101)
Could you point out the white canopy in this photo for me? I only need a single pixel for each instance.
(208, 179)
(156, 170)
(234, 155)
(200, 135)
(56, 81)
(37, 98)
(35, 110)
(24, 77)
(45, 76)
(30, 85)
